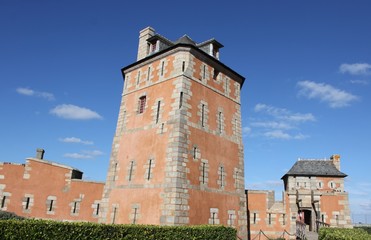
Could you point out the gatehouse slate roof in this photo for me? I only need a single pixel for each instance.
(321, 168)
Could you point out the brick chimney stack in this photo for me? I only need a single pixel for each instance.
(40, 153)
(336, 160)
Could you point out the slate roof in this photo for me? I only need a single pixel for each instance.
(321, 168)
(185, 40)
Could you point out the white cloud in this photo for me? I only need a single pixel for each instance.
(75, 140)
(269, 184)
(69, 111)
(30, 92)
(336, 98)
(355, 68)
(284, 114)
(283, 124)
(279, 134)
(93, 153)
(77, 156)
(84, 154)
(272, 125)
(360, 82)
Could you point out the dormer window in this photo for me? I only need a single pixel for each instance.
(152, 46)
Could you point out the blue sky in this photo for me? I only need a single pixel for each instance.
(307, 91)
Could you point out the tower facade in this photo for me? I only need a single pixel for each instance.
(177, 154)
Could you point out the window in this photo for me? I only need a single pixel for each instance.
(220, 118)
(204, 72)
(269, 218)
(27, 203)
(183, 66)
(131, 170)
(283, 219)
(215, 74)
(51, 205)
(194, 152)
(97, 209)
(142, 104)
(181, 100)
(203, 115)
(162, 128)
(148, 73)
(203, 172)
(254, 218)
(3, 202)
(75, 207)
(162, 68)
(149, 169)
(135, 215)
(114, 215)
(221, 176)
(213, 218)
(158, 111)
(138, 78)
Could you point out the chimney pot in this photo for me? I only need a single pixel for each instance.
(40, 153)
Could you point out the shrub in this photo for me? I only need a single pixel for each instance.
(52, 230)
(343, 234)
(9, 215)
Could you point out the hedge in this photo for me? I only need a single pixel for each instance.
(367, 229)
(343, 234)
(9, 215)
(53, 230)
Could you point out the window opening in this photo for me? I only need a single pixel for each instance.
(27, 203)
(114, 214)
(230, 217)
(162, 128)
(97, 210)
(203, 115)
(204, 72)
(138, 77)
(220, 122)
(158, 111)
(213, 218)
(183, 66)
(162, 68)
(3, 202)
(181, 100)
(74, 207)
(148, 73)
(269, 218)
(131, 170)
(284, 219)
(51, 205)
(254, 218)
(203, 172)
(149, 169)
(142, 104)
(194, 152)
(221, 176)
(135, 215)
(215, 75)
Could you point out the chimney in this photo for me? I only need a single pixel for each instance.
(143, 47)
(40, 153)
(336, 160)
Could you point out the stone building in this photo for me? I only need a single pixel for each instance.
(177, 157)
(48, 190)
(313, 194)
(177, 154)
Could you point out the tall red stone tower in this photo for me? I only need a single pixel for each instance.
(177, 154)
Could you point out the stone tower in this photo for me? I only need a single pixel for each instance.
(177, 154)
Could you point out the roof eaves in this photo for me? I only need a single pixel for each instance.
(183, 45)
